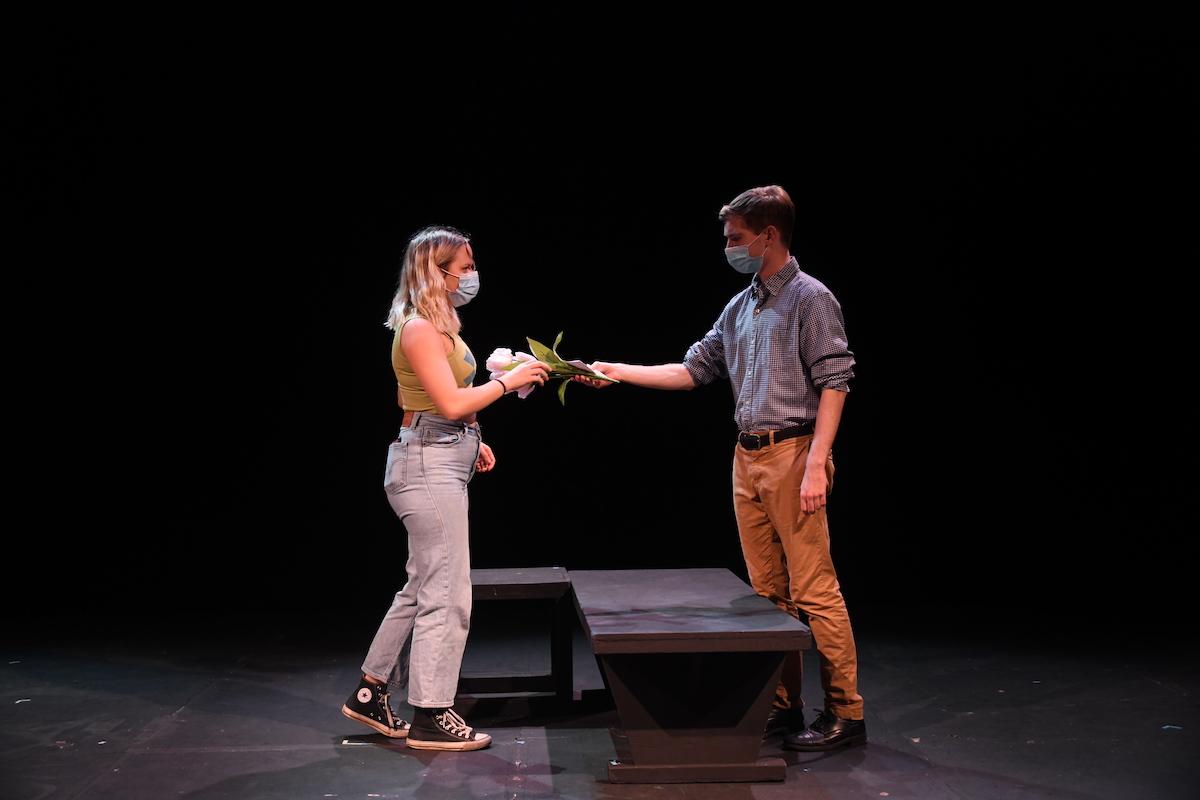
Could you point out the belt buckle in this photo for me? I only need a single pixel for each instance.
(754, 438)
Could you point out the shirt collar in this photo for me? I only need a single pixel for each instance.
(776, 281)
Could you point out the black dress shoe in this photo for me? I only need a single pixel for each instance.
(828, 733)
(783, 721)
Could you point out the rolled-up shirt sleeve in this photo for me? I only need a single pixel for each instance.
(823, 345)
(705, 360)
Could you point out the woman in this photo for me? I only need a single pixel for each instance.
(419, 645)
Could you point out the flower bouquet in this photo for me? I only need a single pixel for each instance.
(502, 360)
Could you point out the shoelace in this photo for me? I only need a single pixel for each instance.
(454, 723)
(825, 721)
(386, 705)
(821, 720)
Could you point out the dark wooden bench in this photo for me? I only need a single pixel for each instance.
(530, 583)
(692, 658)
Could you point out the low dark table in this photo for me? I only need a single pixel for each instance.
(692, 658)
(528, 583)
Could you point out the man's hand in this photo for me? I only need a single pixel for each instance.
(813, 488)
(611, 370)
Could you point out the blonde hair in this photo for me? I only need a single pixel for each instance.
(422, 287)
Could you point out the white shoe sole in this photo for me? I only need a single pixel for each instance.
(379, 726)
(475, 744)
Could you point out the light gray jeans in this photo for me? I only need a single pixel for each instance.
(419, 646)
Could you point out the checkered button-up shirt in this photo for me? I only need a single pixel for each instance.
(780, 343)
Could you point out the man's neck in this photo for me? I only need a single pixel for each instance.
(772, 265)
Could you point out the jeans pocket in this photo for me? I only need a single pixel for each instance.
(437, 438)
(395, 474)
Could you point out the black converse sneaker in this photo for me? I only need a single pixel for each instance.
(369, 705)
(443, 729)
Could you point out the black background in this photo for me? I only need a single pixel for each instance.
(209, 220)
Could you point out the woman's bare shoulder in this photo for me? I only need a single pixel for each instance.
(421, 333)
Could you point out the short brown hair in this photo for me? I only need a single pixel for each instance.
(763, 206)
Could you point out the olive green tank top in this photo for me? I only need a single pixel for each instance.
(413, 396)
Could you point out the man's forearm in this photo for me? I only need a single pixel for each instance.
(660, 376)
(829, 416)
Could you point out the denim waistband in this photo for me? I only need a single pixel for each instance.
(428, 419)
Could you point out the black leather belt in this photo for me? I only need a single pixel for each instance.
(754, 441)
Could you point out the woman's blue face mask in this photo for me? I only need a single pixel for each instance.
(468, 287)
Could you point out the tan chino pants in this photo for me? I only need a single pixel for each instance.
(788, 561)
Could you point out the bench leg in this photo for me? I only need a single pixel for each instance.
(692, 717)
(562, 665)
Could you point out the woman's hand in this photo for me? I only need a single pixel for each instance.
(611, 370)
(486, 460)
(529, 372)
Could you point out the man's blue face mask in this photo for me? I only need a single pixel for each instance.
(740, 259)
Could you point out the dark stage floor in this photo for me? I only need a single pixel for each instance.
(248, 707)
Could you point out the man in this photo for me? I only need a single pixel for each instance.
(782, 344)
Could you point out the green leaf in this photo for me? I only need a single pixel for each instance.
(545, 354)
(540, 351)
(562, 389)
(557, 340)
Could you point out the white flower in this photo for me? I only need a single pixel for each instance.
(500, 360)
